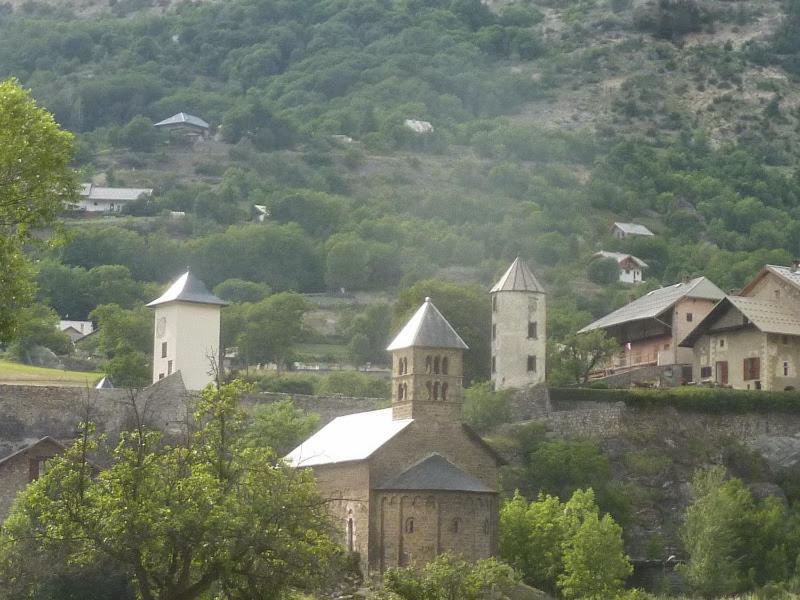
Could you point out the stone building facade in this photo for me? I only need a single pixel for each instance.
(519, 336)
(411, 481)
(17, 470)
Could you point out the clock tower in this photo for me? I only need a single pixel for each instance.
(186, 336)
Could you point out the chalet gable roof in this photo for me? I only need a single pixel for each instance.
(620, 256)
(656, 302)
(45, 440)
(785, 273)
(766, 315)
(183, 118)
(632, 228)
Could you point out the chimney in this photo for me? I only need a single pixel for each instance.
(795, 265)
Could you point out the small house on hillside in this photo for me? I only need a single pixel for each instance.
(94, 198)
(76, 329)
(185, 123)
(650, 328)
(626, 230)
(631, 268)
(752, 341)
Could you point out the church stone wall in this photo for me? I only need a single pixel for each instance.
(413, 527)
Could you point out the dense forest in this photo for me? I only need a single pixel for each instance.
(549, 123)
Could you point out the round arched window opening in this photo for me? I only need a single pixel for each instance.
(409, 528)
(455, 525)
(445, 366)
(436, 391)
(429, 385)
(444, 391)
(436, 365)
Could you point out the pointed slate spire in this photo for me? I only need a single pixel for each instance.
(428, 329)
(188, 288)
(104, 384)
(518, 278)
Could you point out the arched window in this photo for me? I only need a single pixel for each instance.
(436, 391)
(409, 528)
(445, 365)
(350, 535)
(486, 527)
(436, 365)
(444, 391)
(455, 525)
(400, 391)
(405, 390)
(403, 366)
(429, 385)
(428, 364)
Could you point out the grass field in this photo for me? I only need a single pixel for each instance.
(16, 373)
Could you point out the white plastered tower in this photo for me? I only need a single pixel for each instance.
(186, 336)
(519, 340)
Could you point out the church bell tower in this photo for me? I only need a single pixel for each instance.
(427, 367)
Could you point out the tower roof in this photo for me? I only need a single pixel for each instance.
(188, 288)
(518, 278)
(429, 329)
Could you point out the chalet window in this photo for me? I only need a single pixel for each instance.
(494, 303)
(785, 368)
(169, 367)
(705, 372)
(533, 330)
(436, 365)
(409, 528)
(722, 343)
(751, 368)
(445, 365)
(163, 349)
(531, 364)
(494, 331)
(36, 468)
(689, 317)
(494, 364)
(161, 376)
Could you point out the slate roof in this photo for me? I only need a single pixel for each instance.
(766, 315)
(348, 438)
(114, 194)
(428, 329)
(518, 278)
(785, 273)
(619, 257)
(183, 118)
(435, 472)
(45, 439)
(633, 229)
(656, 302)
(104, 384)
(188, 288)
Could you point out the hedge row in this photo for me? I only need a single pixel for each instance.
(711, 400)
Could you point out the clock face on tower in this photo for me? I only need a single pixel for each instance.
(161, 327)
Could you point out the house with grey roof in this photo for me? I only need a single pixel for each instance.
(650, 329)
(411, 481)
(95, 198)
(631, 268)
(19, 468)
(752, 341)
(185, 123)
(626, 230)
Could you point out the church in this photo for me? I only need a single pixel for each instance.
(411, 481)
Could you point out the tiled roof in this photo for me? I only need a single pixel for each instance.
(428, 329)
(518, 278)
(183, 118)
(435, 472)
(633, 229)
(619, 257)
(188, 288)
(45, 440)
(766, 315)
(348, 438)
(656, 302)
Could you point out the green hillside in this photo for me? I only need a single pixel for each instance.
(550, 121)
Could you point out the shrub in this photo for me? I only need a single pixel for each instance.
(485, 408)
